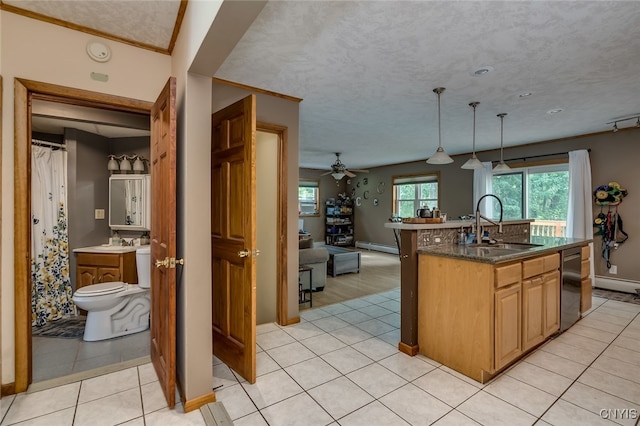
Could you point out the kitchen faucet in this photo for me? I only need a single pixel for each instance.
(479, 216)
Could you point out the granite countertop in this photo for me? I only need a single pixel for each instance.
(485, 253)
(106, 249)
(449, 224)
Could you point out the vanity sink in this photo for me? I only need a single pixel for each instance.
(106, 249)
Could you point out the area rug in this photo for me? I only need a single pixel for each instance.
(68, 328)
(617, 295)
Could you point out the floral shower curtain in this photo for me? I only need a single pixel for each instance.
(51, 291)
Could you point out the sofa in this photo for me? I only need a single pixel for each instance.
(317, 258)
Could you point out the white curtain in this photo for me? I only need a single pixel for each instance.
(133, 201)
(580, 211)
(51, 291)
(482, 185)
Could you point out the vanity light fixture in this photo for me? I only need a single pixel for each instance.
(473, 162)
(440, 157)
(615, 127)
(501, 166)
(123, 163)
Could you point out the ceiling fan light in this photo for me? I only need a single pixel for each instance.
(472, 163)
(501, 167)
(337, 175)
(440, 157)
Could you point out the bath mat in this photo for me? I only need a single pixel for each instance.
(68, 328)
(617, 295)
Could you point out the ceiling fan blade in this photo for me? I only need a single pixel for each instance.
(359, 171)
(327, 173)
(349, 174)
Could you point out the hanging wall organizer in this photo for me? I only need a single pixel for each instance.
(609, 223)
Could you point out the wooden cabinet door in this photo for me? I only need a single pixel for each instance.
(86, 275)
(551, 294)
(107, 275)
(532, 312)
(585, 295)
(508, 325)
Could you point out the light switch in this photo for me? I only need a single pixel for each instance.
(99, 213)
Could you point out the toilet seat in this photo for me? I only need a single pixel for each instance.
(102, 289)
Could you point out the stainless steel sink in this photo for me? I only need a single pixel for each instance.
(517, 246)
(489, 250)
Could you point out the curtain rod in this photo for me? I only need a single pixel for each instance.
(47, 143)
(536, 156)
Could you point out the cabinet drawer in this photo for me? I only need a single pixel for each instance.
(540, 265)
(585, 268)
(506, 275)
(98, 259)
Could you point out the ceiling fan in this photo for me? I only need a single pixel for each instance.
(339, 170)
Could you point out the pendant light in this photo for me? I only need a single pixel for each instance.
(501, 166)
(440, 157)
(473, 162)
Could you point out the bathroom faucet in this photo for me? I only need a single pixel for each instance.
(479, 216)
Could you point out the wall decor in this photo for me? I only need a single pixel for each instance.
(366, 195)
(375, 201)
(380, 188)
(358, 201)
(365, 181)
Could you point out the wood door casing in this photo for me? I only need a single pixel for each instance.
(233, 231)
(163, 239)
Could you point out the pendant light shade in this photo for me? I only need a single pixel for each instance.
(473, 162)
(440, 157)
(501, 166)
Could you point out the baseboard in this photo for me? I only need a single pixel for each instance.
(377, 247)
(608, 283)
(409, 350)
(291, 321)
(8, 389)
(198, 402)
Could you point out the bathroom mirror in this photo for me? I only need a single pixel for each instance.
(129, 202)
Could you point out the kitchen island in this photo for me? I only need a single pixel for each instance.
(481, 307)
(415, 236)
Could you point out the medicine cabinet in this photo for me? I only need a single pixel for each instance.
(130, 202)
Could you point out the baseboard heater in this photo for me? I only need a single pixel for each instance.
(376, 247)
(627, 286)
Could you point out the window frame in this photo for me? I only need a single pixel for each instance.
(525, 171)
(417, 179)
(309, 183)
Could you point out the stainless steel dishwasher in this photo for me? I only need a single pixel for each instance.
(571, 280)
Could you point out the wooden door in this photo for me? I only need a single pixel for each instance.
(233, 236)
(551, 292)
(532, 312)
(108, 274)
(508, 334)
(163, 239)
(86, 275)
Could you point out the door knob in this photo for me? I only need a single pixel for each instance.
(244, 253)
(161, 263)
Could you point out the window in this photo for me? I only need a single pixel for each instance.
(540, 193)
(413, 192)
(308, 196)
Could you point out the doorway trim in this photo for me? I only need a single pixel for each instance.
(24, 92)
(282, 285)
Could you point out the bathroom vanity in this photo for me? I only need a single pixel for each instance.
(99, 264)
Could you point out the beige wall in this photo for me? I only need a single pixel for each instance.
(613, 158)
(57, 55)
(282, 112)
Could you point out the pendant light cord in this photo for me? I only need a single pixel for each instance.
(438, 91)
(501, 115)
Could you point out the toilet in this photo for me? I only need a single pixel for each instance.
(115, 308)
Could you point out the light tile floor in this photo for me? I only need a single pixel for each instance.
(340, 366)
(57, 357)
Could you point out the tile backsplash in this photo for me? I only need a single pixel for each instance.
(512, 233)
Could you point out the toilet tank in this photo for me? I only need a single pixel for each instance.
(143, 263)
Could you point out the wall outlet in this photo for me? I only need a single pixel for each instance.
(99, 213)
(613, 270)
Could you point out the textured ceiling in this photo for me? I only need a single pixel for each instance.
(366, 69)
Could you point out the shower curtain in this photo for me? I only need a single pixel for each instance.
(50, 289)
(133, 199)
